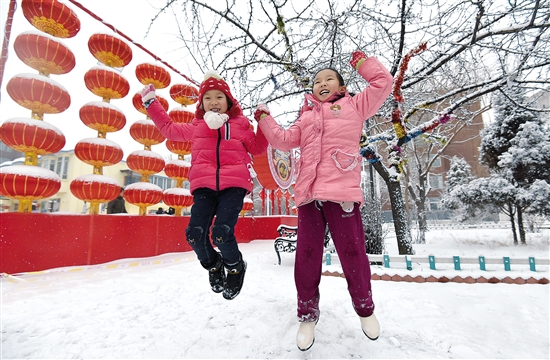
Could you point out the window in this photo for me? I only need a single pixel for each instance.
(62, 166)
(161, 181)
(65, 167)
(59, 166)
(436, 181)
(434, 203)
(51, 205)
(132, 178)
(437, 161)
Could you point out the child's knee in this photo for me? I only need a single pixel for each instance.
(194, 234)
(220, 233)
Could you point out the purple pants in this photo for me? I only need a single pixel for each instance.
(347, 234)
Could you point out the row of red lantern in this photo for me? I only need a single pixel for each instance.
(107, 83)
(41, 95)
(146, 162)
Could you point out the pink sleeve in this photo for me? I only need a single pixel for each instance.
(278, 137)
(167, 127)
(373, 96)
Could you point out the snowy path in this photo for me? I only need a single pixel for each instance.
(168, 311)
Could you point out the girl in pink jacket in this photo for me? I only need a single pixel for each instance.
(220, 176)
(327, 189)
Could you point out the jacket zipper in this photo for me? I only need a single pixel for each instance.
(218, 165)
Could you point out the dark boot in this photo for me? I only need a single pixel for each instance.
(234, 281)
(216, 274)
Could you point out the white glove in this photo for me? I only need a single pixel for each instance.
(148, 93)
(215, 120)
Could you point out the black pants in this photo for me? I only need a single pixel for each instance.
(225, 205)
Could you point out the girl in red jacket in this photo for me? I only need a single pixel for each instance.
(220, 176)
(327, 189)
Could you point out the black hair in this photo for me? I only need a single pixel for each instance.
(338, 75)
(341, 81)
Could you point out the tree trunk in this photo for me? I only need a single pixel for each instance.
(520, 225)
(513, 223)
(422, 220)
(402, 231)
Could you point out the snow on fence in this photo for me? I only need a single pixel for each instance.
(408, 260)
(468, 226)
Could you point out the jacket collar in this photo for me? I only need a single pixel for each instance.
(334, 97)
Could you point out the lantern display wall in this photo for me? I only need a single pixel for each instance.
(43, 94)
(146, 162)
(40, 94)
(106, 82)
(179, 198)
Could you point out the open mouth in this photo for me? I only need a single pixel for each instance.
(217, 110)
(323, 92)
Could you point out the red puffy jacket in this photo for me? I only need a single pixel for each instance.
(219, 158)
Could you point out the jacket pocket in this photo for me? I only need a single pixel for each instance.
(345, 161)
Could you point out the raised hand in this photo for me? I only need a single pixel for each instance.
(147, 93)
(261, 111)
(357, 59)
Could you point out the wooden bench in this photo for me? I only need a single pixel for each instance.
(288, 235)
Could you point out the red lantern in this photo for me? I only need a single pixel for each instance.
(51, 17)
(181, 148)
(145, 162)
(138, 104)
(27, 183)
(106, 83)
(184, 94)
(39, 94)
(177, 169)
(102, 116)
(177, 198)
(287, 201)
(153, 74)
(44, 54)
(109, 50)
(98, 152)
(146, 133)
(95, 189)
(181, 116)
(143, 194)
(248, 205)
(27, 135)
(261, 166)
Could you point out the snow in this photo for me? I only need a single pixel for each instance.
(143, 186)
(178, 191)
(32, 171)
(162, 307)
(100, 141)
(147, 153)
(103, 104)
(33, 122)
(96, 178)
(40, 78)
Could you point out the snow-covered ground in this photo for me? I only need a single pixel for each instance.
(163, 308)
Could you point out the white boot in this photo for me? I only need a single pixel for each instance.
(305, 336)
(370, 326)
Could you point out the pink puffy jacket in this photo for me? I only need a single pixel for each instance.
(328, 135)
(219, 158)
